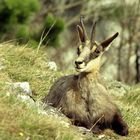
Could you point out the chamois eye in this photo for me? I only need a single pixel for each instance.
(97, 51)
(79, 49)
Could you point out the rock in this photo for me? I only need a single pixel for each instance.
(23, 92)
(83, 130)
(27, 99)
(52, 65)
(1, 64)
(117, 88)
(24, 87)
(101, 136)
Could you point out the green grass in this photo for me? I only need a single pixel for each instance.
(25, 64)
(19, 121)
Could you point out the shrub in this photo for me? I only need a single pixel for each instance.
(22, 33)
(33, 44)
(19, 11)
(14, 12)
(53, 27)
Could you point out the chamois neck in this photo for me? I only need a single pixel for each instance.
(90, 76)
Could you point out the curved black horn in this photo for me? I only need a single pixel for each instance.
(83, 27)
(92, 37)
(81, 33)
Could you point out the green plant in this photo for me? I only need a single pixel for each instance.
(32, 44)
(18, 121)
(53, 27)
(22, 33)
(20, 11)
(15, 12)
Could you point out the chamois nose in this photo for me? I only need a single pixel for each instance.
(78, 62)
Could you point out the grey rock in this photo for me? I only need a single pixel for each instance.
(117, 88)
(24, 87)
(52, 65)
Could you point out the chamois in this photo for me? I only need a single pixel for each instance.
(83, 97)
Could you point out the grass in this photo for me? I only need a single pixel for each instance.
(18, 121)
(25, 64)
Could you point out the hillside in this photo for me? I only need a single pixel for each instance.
(20, 120)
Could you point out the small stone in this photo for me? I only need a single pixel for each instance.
(65, 124)
(24, 86)
(83, 130)
(27, 99)
(52, 65)
(21, 134)
(101, 136)
(1, 66)
(42, 112)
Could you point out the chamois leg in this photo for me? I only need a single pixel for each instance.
(87, 124)
(119, 126)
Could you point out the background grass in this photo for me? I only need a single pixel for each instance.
(19, 121)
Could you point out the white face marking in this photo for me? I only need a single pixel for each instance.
(92, 65)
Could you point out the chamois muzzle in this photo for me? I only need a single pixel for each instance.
(79, 64)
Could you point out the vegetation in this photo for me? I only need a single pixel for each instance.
(30, 21)
(17, 119)
(25, 64)
(13, 15)
(112, 16)
(16, 19)
(20, 121)
(38, 24)
(51, 30)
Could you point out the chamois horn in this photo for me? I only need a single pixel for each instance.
(83, 27)
(92, 37)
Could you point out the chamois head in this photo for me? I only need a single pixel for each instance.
(89, 51)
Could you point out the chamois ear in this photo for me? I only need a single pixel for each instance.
(106, 42)
(81, 34)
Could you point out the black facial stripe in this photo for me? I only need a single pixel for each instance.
(78, 51)
(93, 55)
(86, 60)
(97, 51)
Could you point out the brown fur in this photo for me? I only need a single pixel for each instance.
(84, 98)
(84, 101)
